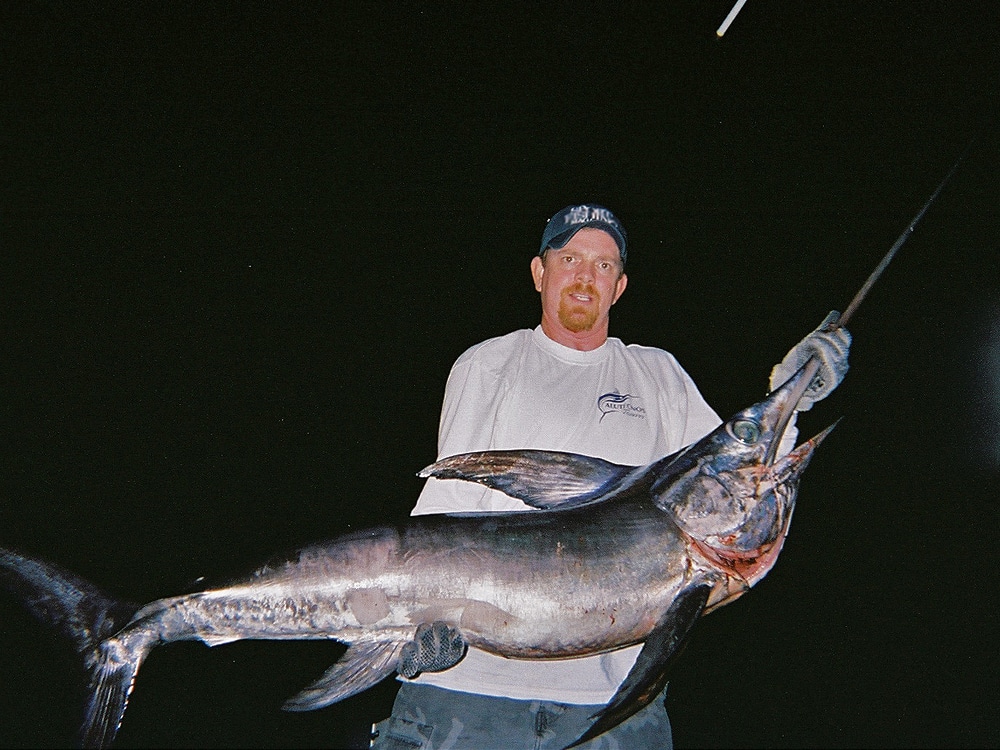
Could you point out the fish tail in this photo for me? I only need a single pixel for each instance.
(112, 676)
(93, 621)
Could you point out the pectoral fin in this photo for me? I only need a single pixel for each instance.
(542, 479)
(362, 666)
(649, 674)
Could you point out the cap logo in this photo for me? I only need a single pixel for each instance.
(561, 227)
(583, 214)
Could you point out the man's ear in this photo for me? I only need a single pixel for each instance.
(620, 287)
(537, 271)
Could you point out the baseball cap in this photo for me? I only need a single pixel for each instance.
(560, 228)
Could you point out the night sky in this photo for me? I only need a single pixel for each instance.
(241, 245)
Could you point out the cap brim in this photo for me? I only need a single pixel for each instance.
(560, 240)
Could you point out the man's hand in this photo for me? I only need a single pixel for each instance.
(435, 647)
(830, 348)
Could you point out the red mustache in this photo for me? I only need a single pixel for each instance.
(579, 288)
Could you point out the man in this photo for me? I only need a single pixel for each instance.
(565, 386)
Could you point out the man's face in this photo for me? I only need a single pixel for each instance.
(581, 281)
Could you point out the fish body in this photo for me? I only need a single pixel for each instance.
(613, 556)
(377, 585)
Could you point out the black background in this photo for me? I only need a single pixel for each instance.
(242, 245)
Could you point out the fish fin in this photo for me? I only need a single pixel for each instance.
(362, 666)
(112, 677)
(213, 641)
(649, 673)
(89, 618)
(63, 600)
(542, 479)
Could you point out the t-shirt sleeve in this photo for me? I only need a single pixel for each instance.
(472, 399)
(681, 402)
(702, 419)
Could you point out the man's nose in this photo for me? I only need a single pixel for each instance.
(585, 272)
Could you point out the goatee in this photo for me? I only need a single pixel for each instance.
(579, 316)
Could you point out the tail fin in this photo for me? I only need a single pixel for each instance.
(89, 618)
(112, 676)
(64, 600)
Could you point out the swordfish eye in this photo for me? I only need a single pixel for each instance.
(744, 430)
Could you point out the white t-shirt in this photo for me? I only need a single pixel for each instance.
(628, 404)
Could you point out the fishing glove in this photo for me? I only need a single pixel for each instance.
(435, 646)
(830, 348)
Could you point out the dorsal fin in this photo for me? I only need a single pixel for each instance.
(542, 479)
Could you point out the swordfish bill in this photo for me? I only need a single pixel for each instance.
(611, 556)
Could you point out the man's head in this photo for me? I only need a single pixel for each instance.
(580, 274)
(560, 228)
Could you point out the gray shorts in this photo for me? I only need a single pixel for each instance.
(425, 717)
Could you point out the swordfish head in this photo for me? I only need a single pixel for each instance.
(729, 493)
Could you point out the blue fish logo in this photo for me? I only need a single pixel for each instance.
(619, 403)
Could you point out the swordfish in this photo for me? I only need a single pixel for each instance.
(612, 556)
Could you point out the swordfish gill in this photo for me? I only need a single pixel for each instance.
(615, 556)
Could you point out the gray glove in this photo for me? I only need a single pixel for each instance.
(435, 647)
(830, 348)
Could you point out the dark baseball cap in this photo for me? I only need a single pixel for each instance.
(560, 228)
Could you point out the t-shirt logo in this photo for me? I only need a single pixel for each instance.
(618, 403)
